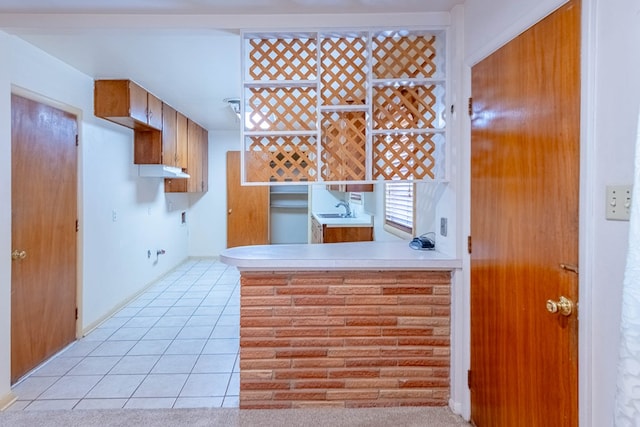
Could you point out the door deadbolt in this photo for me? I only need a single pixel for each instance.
(564, 306)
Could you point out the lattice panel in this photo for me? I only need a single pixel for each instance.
(282, 58)
(344, 146)
(281, 108)
(404, 156)
(281, 159)
(406, 107)
(344, 71)
(411, 56)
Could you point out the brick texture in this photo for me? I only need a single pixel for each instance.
(347, 339)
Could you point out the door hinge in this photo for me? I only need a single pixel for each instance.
(76, 313)
(470, 107)
(469, 244)
(77, 226)
(77, 141)
(469, 379)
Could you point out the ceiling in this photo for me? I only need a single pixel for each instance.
(186, 52)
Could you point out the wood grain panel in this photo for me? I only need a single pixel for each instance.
(524, 224)
(44, 200)
(169, 135)
(123, 102)
(194, 159)
(247, 208)
(147, 147)
(204, 159)
(182, 145)
(347, 234)
(154, 111)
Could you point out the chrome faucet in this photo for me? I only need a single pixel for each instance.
(347, 208)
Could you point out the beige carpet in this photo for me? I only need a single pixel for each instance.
(382, 417)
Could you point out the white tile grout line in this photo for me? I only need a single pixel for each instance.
(183, 270)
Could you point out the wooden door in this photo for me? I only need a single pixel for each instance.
(43, 233)
(524, 227)
(247, 208)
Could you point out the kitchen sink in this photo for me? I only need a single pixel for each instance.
(331, 215)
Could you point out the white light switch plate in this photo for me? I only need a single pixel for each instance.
(618, 202)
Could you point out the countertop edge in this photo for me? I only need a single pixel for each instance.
(374, 256)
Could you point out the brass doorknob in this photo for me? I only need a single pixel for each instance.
(564, 306)
(229, 211)
(18, 254)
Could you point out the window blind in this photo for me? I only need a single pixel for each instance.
(398, 207)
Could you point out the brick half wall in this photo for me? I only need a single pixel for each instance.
(344, 339)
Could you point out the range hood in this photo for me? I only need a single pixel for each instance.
(161, 171)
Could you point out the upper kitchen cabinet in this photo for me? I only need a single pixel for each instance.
(163, 137)
(126, 103)
(171, 148)
(197, 163)
(181, 140)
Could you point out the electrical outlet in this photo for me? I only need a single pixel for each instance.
(443, 226)
(618, 202)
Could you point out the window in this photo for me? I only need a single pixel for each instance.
(399, 208)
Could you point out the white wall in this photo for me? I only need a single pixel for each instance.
(490, 23)
(5, 220)
(113, 253)
(116, 265)
(615, 114)
(207, 219)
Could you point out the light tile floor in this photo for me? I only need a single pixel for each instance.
(176, 345)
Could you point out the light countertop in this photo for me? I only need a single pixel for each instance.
(362, 220)
(375, 256)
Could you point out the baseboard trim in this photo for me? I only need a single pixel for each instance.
(7, 400)
(95, 324)
(456, 407)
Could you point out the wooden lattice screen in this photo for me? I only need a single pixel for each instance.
(359, 106)
(344, 146)
(281, 159)
(344, 71)
(398, 57)
(404, 157)
(282, 108)
(283, 58)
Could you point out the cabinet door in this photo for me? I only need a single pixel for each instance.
(194, 163)
(197, 163)
(181, 141)
(126, 103)
(137, 103)
(169, 135)
(357, 188)
(347, 234)
(154, 112)
(204, 158)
